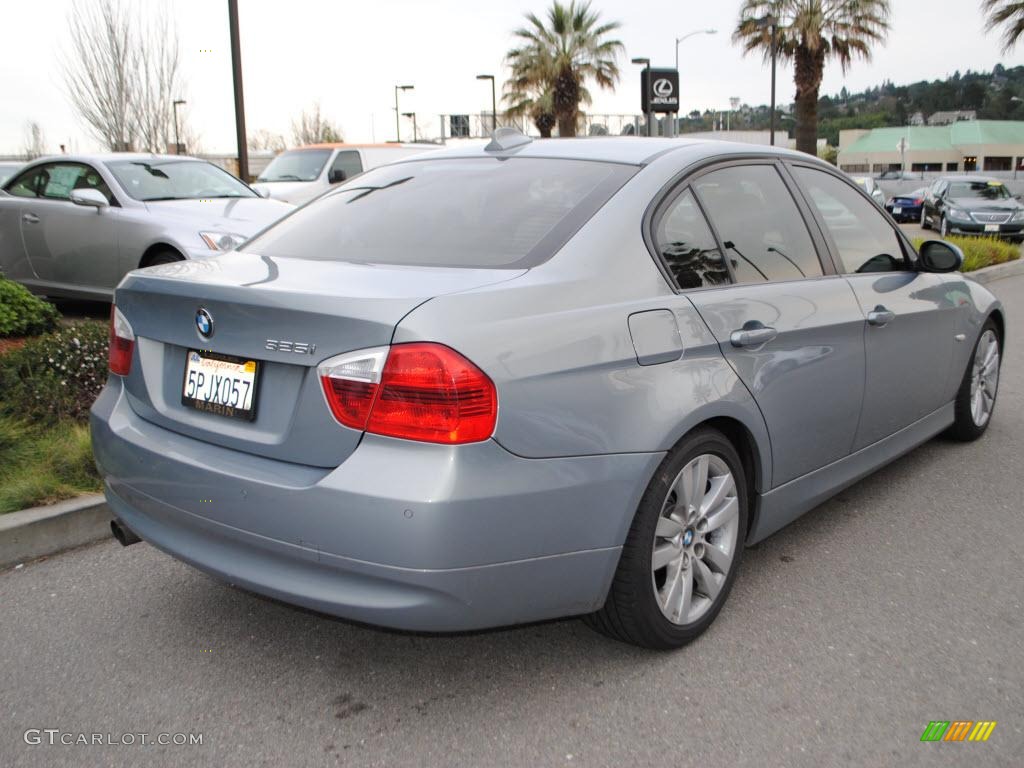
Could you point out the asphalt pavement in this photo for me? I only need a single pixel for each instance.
(895, 604)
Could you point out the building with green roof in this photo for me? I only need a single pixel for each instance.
(969, 145)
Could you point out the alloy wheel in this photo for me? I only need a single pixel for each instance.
(695, 540)
(984, 377)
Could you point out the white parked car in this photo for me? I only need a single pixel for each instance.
(74, 225)
(298, 175)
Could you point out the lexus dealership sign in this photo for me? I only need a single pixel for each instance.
(659, 90)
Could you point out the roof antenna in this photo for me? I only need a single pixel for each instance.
(506, 138)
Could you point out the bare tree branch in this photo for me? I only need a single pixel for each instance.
(313, 128)
(35, 141)
(266, 140)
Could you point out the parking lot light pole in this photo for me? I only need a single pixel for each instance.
(691, 34)
(177, 143)
(494, 101)
(646, 64)
(236, 69)
(413, 116)
(398, 127)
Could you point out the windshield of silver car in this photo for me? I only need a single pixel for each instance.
(159, 179)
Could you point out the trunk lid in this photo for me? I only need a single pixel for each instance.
(330, 307)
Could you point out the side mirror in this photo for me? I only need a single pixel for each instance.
(940, 256)
(336, 176)
(91, 198)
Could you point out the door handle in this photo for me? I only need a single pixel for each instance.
(881, 316)
(30, 218)
(752, 334)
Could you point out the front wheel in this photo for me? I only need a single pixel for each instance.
(683, 549)
(925, 224)
(976, 398)
(943, 227)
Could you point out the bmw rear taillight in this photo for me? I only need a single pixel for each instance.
(417, 391)
(122, 343)
(918, 200)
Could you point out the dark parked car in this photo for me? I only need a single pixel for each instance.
(973, 205)
(907, 206)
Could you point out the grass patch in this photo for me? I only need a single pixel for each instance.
(42, 464)
(980, 252)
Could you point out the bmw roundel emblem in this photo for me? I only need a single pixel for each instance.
(204, 323)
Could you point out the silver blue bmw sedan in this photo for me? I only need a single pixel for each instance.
(535, 379)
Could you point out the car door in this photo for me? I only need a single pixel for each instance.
(71, 246)
(909, 315)
(792, 332)
(13, 258)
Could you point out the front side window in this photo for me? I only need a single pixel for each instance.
(862, 234)
(685, 242)
(296, 165)
(758, 223)
(347, 164)
(158, 179)
(480, 213)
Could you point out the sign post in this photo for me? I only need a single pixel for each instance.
(659, 93)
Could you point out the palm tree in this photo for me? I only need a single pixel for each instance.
(1008, 13)
(808, 33)
(552, 61)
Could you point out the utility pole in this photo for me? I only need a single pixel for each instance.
(398, 115)
(236, 69)
(177, 143)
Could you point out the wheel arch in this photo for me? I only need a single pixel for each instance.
(996, 315)
(756, 467)
(156, 248)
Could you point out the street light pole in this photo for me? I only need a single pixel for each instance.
(236, 69)
(772, 23)
(413, 116)
(494, 101)
(398, 127)
(177, 142)
(678, 41)
(646, 64)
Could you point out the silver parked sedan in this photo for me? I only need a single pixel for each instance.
(72, 226)
(537, 379)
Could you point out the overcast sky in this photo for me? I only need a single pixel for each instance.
(349, 55)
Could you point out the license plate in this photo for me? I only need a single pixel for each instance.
(220, 384)
(991, 227)
(897, 210)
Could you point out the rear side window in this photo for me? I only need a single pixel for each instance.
(862, 234)
(479, 212)
(759, 224)
(28, 183)
(685, 242)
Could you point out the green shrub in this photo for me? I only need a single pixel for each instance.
(980, 251)
(22, 314)
(56, 376)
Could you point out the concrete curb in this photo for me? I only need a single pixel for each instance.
(997, 272)
(40, 531)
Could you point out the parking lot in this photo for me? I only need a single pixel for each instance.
(894, 604)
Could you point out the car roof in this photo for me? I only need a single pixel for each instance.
(629, 150)
(101, 157)
(344, 145)
(969, 177)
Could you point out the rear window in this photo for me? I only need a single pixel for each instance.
(480, 213)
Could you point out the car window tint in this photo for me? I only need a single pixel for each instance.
(759, 224)
(862, 234)
(348, 162)
(480, 212)
(685, 242)
(27, 184)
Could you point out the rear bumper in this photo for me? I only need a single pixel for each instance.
(404, 535)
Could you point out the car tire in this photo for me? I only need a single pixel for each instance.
(165, 256)
(943, 227)
(696, 541)
(976, 398)
(925, 224)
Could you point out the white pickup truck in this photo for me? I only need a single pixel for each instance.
(298, 175)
